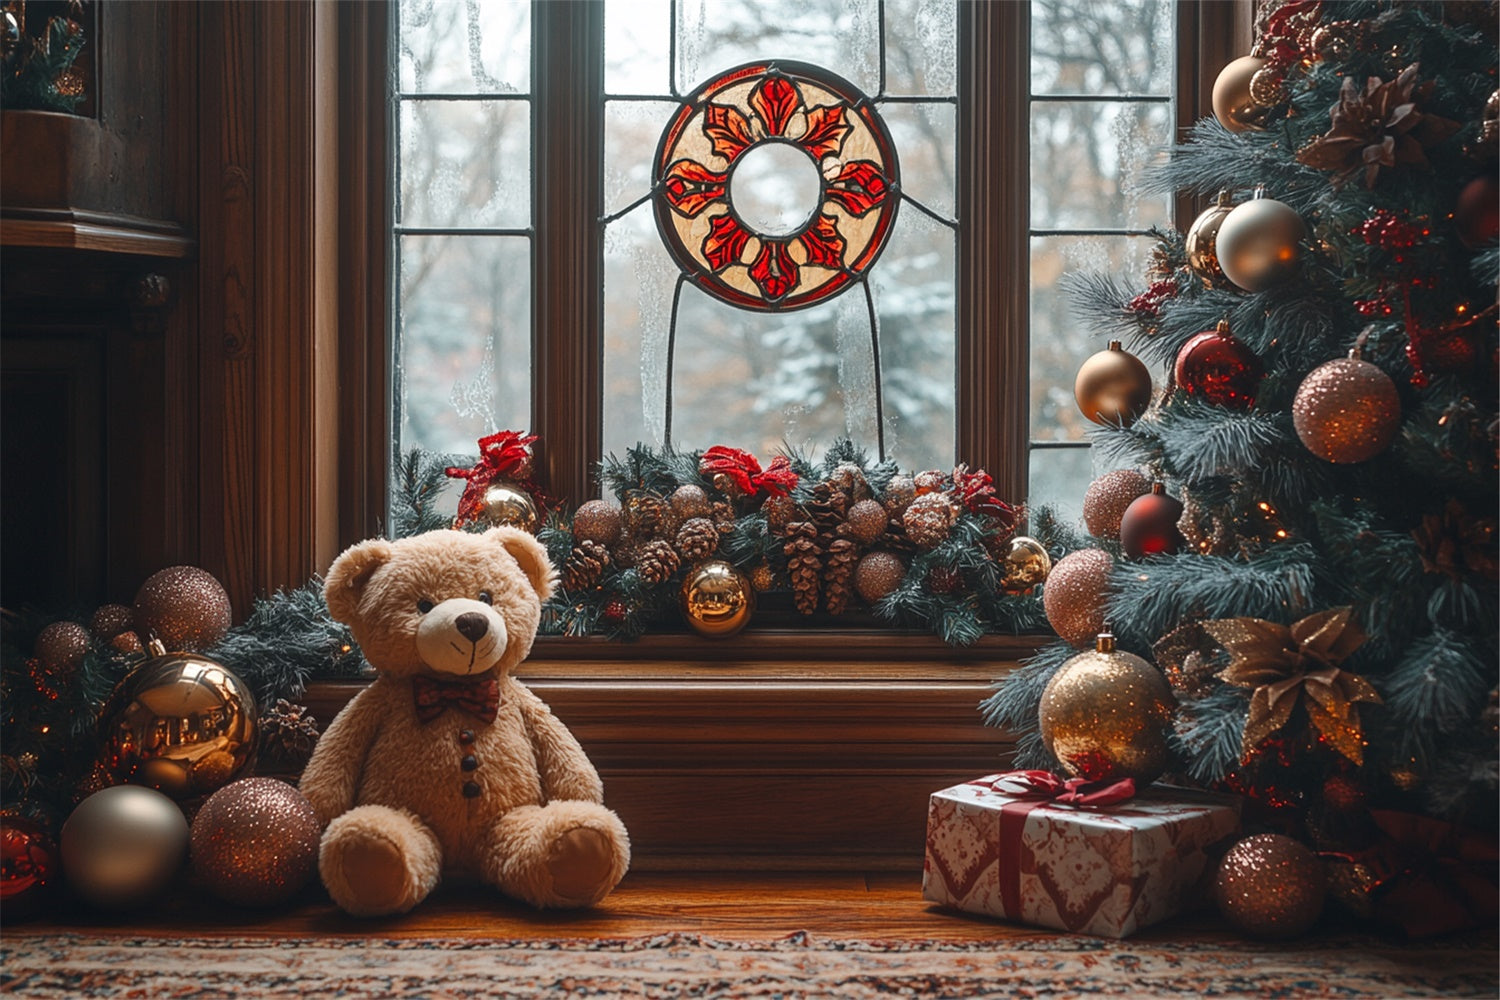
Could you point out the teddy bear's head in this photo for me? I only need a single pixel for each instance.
(444, 602)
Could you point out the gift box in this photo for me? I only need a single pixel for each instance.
(1029, 847)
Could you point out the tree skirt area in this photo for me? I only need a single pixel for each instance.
(691, 965)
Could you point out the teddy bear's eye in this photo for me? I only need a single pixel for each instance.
(484, 595)
(424, 605)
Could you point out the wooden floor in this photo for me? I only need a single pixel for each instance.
(737, 906)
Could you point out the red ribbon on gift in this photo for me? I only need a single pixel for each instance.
(502, 455)
(1032, 789)
(777, 480)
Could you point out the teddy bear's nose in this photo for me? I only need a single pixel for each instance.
(472, 625)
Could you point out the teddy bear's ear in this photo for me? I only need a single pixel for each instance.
(530, 555)
(349, 574)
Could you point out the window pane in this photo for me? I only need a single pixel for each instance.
(631, 131)
(920, 54)
(1102, 46)
(464, 46)
(923, 134)
(1086, 164)
(464, 339)
(636, 52)
(638, 279)
(713, 36)
(1059, 341)
(1059, 478)
(466, 164)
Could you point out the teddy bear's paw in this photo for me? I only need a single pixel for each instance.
(564, 855)
(580, 863)
(376, 861)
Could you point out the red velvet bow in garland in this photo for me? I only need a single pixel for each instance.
(1073, 791)
(777, 480)
(480, 698)
(502, 455)
(976, 490)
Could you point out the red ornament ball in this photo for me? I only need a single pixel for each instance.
(28, 866)
(615, 611)
(1215, 367)
(1149, 525)
(944, 579)
(1476, 215)
(1270, 886)
(1346, 411)
(1342, 792)
(185, 607)
(1075, 593)
(1106, 499)
(255, 842)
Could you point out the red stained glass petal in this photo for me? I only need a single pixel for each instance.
(858, 188)
(774, 271)
(775, 100)
(725, 242)
(825, 131)
(691, 187)
(823, 243)
(727, 129)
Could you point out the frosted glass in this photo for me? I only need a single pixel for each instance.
(925, 135)
(464, 46)
(1059, 477)
(465, 164)
(463, 339)
(636, 54)
(920, 48)
(631, 132)
(1087, 161)
(841, 35)
(638, 281)
(1102, 46)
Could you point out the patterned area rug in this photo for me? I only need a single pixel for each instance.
(689, 965)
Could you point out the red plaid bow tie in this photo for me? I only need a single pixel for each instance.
(480, 698)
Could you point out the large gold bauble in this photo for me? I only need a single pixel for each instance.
(1346, 411)
(1270, 886)
(1260, 243)
(1113, 387)
(180, 723)
(717, 599)
(506, 504)
(1202, 241)
(1235, 109)
(1105, 715)
(1024, 565)
(122, 846)
(1076, 591)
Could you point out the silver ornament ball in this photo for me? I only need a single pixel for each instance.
(122, 846)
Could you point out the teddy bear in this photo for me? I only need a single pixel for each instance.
(446, 763)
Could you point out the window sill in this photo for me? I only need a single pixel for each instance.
(773, 749)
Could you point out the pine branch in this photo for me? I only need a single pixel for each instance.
(1210, 731)
(1440, 683)
(1013, 705)
(287, 639)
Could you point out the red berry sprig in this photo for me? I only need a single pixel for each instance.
(1149, 302)
(1388, 231)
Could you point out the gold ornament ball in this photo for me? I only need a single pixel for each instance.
(689, 501)
(1260, 243)
(1107, 497)
(1233, 106)
(255, 842)
(878, 574)
(1202, 241)
(1075, 594)
(1105, 715)
(507, 505)
(762, 577)
(1270, 886)
(717, 599)
(180, 723)
(1346, 411)
(1024, 565)
(1113, 387)
(122, 846)
(61, 647)
(597, 521)
(867, 521)
(1267, 87)
(184, 607)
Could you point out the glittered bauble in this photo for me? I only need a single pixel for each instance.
(1149, 524)
(28, 866)
(1270, 886)
(866, 521)
(597, 521)
(507, 505)
(689, 501)
(878, 574)
(1346, 410)
(1268, 87)
(1107, 497)
(1260, 243)
(1024, 564)
(255, 842)
(184, 607)
(1235, 109)
(1105, 715)
(122, 846)
(1202, 240)
(61, 647)
(1113, 387)
(111, 620)
(1476, 214)
(180, 723)
(1075, 595)
(929, 519)
(1217, 368)
(899, 494)
(762, 577)
(927, 482)
(717, 599)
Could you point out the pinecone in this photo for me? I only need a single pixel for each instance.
(697, 539)
(584, 565)
(828, 508)
(656, 561)
(648, 517)
(895, 539)
(851, 479)
(944, 579)
(723, 517)
(288, 733)
(804, 564)
(838, 574)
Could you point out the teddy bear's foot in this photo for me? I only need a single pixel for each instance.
(564, 855)
(375, 860)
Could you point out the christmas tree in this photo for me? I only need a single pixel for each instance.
(1317, 577)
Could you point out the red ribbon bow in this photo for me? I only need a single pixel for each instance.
(777, 480)
(501, 456)
(1049, 786)
(480, 698)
